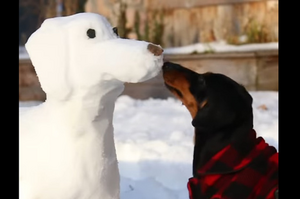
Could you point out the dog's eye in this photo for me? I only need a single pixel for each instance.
(201, 81)
(91, 33)
(115, 29)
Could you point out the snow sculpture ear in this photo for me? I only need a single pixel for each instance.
(48, 50)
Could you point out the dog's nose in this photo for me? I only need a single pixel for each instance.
(156, 50)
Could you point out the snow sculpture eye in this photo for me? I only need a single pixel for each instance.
(115, 29)
(91, 33)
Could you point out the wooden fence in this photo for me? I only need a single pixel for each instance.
(173, 23)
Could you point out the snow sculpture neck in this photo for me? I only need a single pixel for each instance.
(90, 114)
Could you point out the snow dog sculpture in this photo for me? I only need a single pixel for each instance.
(66, 148)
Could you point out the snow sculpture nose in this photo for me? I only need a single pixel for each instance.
(156, 50)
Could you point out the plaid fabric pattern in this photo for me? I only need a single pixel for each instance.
(231, 175)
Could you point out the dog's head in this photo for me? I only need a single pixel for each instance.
(214, 101)
(82, 50)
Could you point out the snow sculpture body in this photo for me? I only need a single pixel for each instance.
(67, 146)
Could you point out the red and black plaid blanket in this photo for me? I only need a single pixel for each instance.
(230, 175)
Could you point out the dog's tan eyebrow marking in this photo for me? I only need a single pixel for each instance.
(202, 104)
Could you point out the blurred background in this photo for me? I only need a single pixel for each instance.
(174, 24)
(170, 23)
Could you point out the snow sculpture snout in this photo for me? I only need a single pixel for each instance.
(83, 50)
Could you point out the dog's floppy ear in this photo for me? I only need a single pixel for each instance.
(210, 118)
(227, 104)
(48, 50)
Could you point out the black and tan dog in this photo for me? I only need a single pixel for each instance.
(230, 161)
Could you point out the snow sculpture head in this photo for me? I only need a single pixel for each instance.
(82, 50)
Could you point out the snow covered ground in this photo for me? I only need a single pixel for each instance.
(154, 142)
